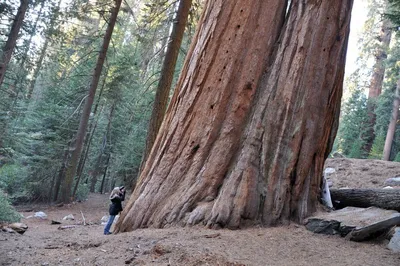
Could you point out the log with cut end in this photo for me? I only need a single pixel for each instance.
(374, 230)
(383, 198)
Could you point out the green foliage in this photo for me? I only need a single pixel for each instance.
(353, 124)
(11, 178)
(82, 192)
(378, 145)
(397, 158)
(7, 212)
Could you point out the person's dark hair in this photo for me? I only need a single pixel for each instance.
(121, 187)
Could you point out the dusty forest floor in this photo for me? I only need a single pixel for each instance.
(45, 244)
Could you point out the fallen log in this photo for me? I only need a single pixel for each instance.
(382, 198)
(374, 230)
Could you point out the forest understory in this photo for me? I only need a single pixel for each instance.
(46, 244)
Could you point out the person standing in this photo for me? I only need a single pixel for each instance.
(117, 196)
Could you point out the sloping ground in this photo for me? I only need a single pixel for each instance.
(45, 244)
(357, 173)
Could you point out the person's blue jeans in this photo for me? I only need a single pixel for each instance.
(108, 226)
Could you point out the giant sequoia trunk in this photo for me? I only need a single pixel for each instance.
(252, 120)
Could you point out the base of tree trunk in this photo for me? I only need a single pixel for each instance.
(383, 198)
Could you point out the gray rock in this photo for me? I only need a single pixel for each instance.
(393, 181)
(320, 226)
(329, 170)
(394, 243)
(69, 217)
(40, 215)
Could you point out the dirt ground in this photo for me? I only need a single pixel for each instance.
(46, 244)
(358, 173)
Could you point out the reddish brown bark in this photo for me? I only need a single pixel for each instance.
(376, 84)
(252, 120)
(392, 124)
(167, 75)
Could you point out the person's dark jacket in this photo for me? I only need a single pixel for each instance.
(116, 205)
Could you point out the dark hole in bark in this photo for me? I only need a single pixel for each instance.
(238, 26)
(195, 148)
(212, 106)
(248, 86)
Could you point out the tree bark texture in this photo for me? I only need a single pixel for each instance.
(71, 170)
(376, 84)
(12, 39)
(382, 198)
(167, 75)
(392, 124)
(252, 120)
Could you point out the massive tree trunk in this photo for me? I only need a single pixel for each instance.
(167, 75)
(376, 84)
(392, 124)
(80, 135)
(8, 48)
(252, 120)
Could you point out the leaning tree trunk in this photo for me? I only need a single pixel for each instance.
(392, 124)
(376, 84)
(167, 75)
(80, 135)
(252, 120)
(12, 38)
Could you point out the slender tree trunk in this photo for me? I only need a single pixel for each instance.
(97, 167)
(167, 75)
(88, 138)
(252, 120)
(71, 170)
(85, 153)
(12, 38)
(43, 51)
(105, 174)
(376, 84)
(61, 172)
(392, 124)
(22, 73)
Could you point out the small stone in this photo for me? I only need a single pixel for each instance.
(394, 244)
(329, 170)
(41, 215)
(69, 217)
(394, 181)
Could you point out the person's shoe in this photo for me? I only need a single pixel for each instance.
(107, 233)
